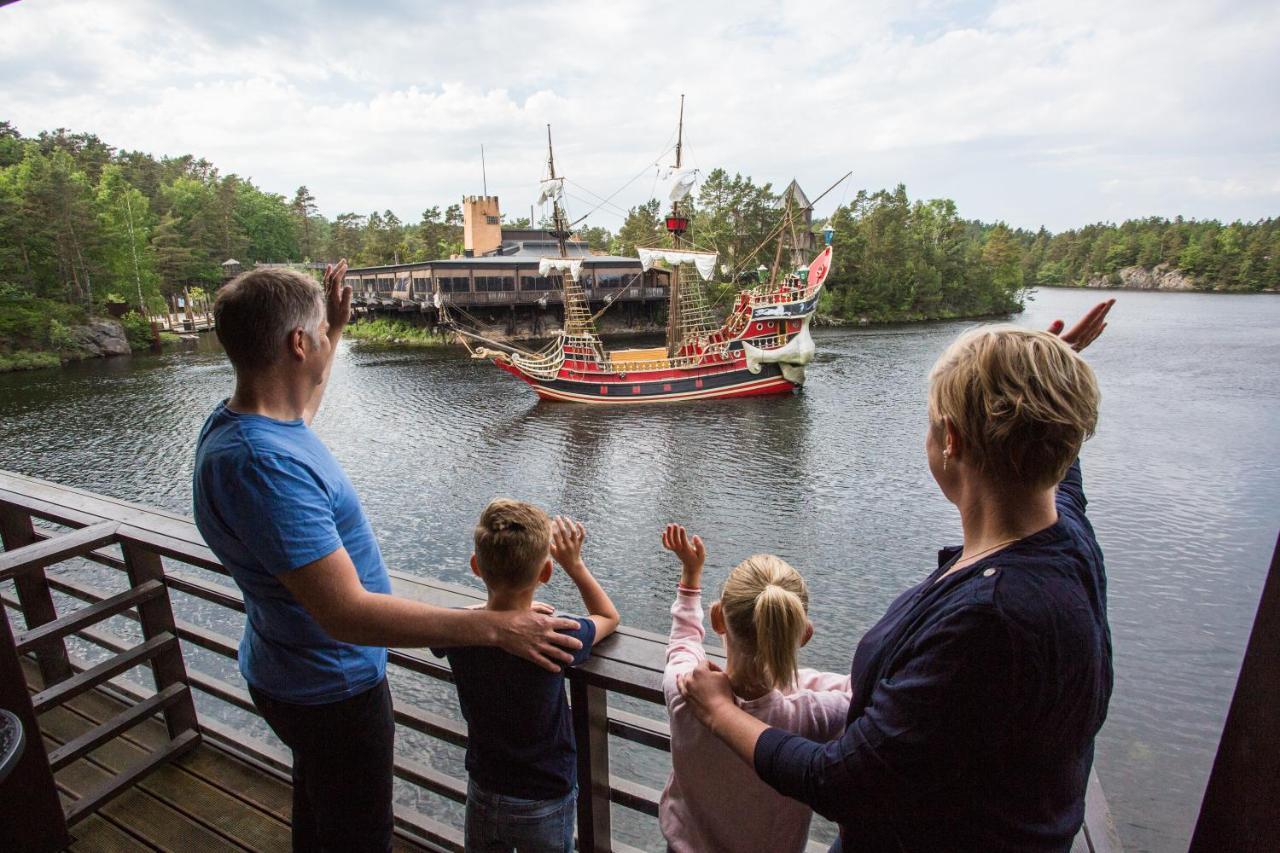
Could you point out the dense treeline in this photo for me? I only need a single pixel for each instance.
(82, 223)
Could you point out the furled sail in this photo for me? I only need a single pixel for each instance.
(552, 190)
(573, 266)
(681, 183)
(705, 262)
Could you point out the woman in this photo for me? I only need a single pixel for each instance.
(977, 696)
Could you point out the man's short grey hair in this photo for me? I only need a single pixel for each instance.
(256, 311)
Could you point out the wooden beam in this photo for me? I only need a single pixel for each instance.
(1239, 811)
(30, 812)
(90, 678)
(55, 549)
(86, 616)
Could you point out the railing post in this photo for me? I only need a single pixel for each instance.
(31, 816)
(16, 531)
(156, 617)
(590, 707)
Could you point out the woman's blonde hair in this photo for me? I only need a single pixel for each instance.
(766, 605)
(1022, 401)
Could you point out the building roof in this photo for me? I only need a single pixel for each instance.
(493, 262)
(797, 195)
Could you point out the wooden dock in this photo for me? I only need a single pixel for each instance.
(121, 765)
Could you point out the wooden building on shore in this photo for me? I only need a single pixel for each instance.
(497, 282)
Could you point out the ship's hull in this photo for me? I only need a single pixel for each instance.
(661, 386)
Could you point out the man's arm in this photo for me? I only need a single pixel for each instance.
(337, 301)
(330, 590)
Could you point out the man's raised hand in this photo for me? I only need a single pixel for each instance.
(337, 296)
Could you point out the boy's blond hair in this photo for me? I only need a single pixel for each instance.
(513, 541)
(1023, 402)
(766, 608)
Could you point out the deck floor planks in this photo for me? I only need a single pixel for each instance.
(204, 804)
(248, 784)
(247, 809)
(96, 834)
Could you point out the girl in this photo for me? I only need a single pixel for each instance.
(713, 801)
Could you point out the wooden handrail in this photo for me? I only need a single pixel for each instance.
(629, 663)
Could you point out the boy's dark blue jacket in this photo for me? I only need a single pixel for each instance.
(975, 704)
(520, 735)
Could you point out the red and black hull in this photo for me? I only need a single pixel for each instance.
(661, 385)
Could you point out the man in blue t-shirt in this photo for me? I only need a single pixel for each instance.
(521, 755)
(278, 511)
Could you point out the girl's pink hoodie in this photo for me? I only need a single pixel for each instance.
(713, 800)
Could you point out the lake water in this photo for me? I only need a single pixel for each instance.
(1183, 479)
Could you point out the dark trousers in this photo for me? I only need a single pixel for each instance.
(342, 761)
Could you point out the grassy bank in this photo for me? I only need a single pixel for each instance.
(394, 333)
(39, 333)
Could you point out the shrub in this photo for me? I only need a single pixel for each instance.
(137, 329)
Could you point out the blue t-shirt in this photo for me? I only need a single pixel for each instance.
(520, 735)
(270, 498)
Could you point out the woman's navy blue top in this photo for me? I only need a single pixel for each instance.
(975, 703)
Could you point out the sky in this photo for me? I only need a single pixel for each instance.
(1035, 113)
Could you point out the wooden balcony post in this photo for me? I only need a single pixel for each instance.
(1239, 807)
(156, 617)
(30, 814)
(591, 730)
(16, 531)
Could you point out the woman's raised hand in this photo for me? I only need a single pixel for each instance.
(1086, 331)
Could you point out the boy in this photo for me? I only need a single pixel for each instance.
(521, 756)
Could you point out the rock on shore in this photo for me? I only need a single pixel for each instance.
(1160, 277)
(100, 337)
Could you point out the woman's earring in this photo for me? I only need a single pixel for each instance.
(946, 457)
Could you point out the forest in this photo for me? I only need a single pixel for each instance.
(83, 224)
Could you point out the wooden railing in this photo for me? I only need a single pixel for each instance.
(161, 553)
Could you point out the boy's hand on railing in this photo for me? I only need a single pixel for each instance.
(691, 551)
(566, 544)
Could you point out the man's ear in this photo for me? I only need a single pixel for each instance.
(545, 574)
(299, 342)
(475, 567)
(808, 633)
(717, 618)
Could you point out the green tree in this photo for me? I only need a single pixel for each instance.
(642, 227)
(126, 225)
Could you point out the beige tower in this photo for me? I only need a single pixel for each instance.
(481, 225)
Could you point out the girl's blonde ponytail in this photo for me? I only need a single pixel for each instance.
(765, 604)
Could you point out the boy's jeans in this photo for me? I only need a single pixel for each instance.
(497, 823)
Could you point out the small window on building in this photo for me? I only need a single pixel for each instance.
(491, 220)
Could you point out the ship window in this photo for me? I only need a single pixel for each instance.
(611, 281)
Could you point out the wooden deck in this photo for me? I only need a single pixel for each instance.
(209, 783)
(208, 799)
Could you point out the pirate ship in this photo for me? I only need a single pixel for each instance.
(761, 347)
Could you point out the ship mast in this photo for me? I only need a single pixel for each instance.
(577, 314)
(677, 225)
(561, 228)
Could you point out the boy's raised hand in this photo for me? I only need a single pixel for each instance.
(566, 542)
(691, 551)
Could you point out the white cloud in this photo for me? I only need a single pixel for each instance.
(1025, 111)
